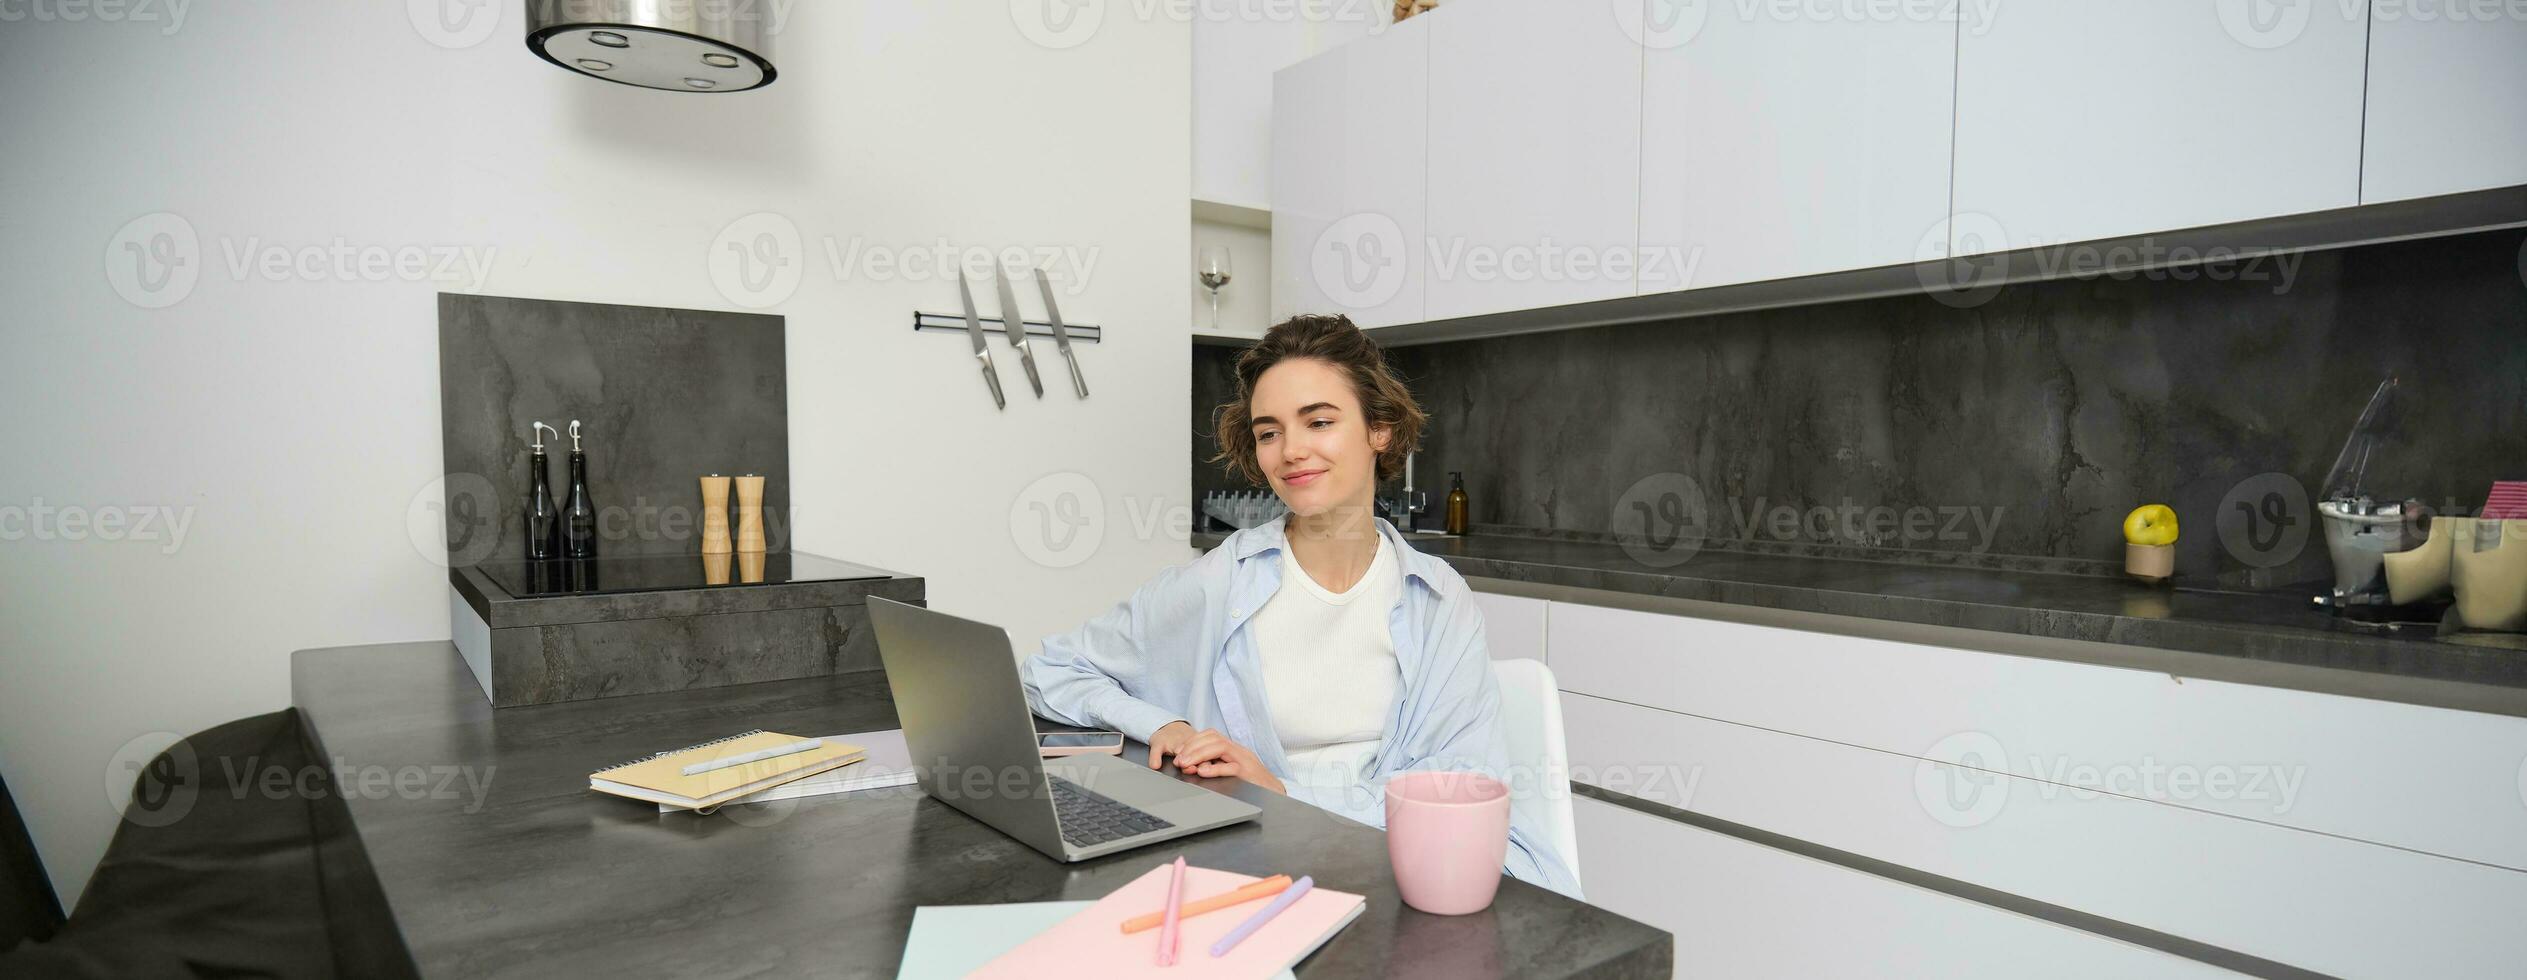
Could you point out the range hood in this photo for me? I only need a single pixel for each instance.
(674, 45)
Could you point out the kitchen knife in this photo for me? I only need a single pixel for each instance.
(1061, 334)
(1014, 323)
(982, 349)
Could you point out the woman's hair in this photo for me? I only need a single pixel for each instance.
(1384, 400)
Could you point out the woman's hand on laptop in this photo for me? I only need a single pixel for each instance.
(1208, 753)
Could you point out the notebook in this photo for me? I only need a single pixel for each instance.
(950, 941)
(888, 763)
(1092, 943)
(660, 778)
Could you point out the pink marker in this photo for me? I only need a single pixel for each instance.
(1167, 932)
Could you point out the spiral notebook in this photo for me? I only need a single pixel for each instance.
(660, 778)
(886, 764)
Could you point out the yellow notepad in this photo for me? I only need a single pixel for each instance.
(661, 778)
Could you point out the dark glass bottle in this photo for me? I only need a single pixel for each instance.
(580, 515)
(1456, 503)
(543, 520)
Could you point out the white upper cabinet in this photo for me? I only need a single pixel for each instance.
(2447, 101)
(1233, 62)
(1775, 146)
(2083, 119)
(1349, 158)
(1535, 155)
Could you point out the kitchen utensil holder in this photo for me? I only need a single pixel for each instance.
(955, 323)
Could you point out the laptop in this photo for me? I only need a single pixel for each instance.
(972, 737)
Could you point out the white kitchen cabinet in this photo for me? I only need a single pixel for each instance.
(1739, 909)
(1513, 626)
(1349, 158)
(1774, 147)
(2080, 120)
(2445, 100)
(1535, 156)
(2317, 901)
(2354, 758)
(1234, 59)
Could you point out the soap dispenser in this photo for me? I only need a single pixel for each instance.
(543, 520)
(1457, 504)
(580, 515)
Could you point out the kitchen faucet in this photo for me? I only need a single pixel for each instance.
(1408, 502)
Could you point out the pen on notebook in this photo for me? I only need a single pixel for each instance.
(758, 755)
(1263, 915)
(1265, 888)
(1169, 931)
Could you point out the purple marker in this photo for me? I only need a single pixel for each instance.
(1263, 915)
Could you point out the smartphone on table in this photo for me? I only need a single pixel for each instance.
(1057, 744)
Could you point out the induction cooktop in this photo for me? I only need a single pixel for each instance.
(608, 576)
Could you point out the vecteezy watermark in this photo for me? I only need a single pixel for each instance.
(760, 260)
(466, 23)
(1059, 520)
(153, 780)
(1963, 261)
(1966, 780)
(2263, 522)
(1872, 525)
(1065, 24)
(157, 779)
(1662, 519)
(1960, 780)
(455, 23)
(455, 522)
(1959, 260)
(1058, 24)
(1661, 24)
(2268, 24)
(756, 260)
(154, 261)
(39, 521)
(1362, 261)
(2265, 24)
(166, 15)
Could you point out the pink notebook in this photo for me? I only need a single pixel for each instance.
(1092, 943)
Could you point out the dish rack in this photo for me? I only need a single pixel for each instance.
(1242, 509)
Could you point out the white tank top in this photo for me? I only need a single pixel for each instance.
(1329, 668)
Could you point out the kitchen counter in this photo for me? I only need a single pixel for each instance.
(2274, 639)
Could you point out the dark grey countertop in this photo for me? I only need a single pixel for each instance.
(538, 876)
(2254, 637)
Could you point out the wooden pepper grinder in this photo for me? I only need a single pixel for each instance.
(715, 516)
(750, 515)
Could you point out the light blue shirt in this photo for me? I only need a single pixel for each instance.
(1179, 650)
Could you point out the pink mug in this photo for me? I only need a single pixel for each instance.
(1446, 834)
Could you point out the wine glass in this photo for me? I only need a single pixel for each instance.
(1214, 272)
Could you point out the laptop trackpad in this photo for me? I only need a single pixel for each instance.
(1135, 785)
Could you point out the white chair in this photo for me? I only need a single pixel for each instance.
(1539, 762)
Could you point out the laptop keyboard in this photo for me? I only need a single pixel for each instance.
(1090, 818)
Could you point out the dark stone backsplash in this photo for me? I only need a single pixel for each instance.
(666, 396)
(2021, 429)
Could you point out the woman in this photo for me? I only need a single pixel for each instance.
(1317, 655)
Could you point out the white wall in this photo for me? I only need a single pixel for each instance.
(297, 420)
